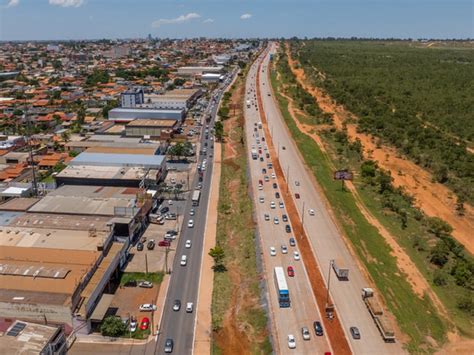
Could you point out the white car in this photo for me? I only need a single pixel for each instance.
(273, 251)
(276, 220)
(133, 325)
(282, 205)
(267, 217)
(170, 202)
(284, 249)
(147, 307)
(145, 284)
(184, 260)
(273, 176)
(192, 211)
(260, 187)
(190, 223)
(188, 244)
(291, 341)
(311, 212)
(189, 307)
(296, 255)
(306, 334)
(272, 205)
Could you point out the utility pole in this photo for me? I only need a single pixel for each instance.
(146, 264)
(288, 180)
(329, 281)
(302, 215)
(30, 148)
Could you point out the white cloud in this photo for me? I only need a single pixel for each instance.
(13, 3)
(245, 16)
(66, 3)
(209, 20)
(179, 19)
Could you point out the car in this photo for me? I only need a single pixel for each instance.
(318, 328)
(277, 194)
(311, 212)
(176, 305)
(261, 158)
(164, 210)
(297, 195)
(261, 199)
(284, 218)
(140, 246)
(297, 183)
(189, 307)
(188, 244)
(164, 243)
(170, 202)
(184, 260)
(273, 251)
(145, 284)
(192, 212)
(267, 217)
(291, 271)
(147, 307)
(296, 255)
(151, 244)
(283, 147)
(171, 216)
(133, 324)
(282, 205)
(288, 228)
(260, 187)
(260, 182)
(291, 341)
(273, 176)
(264, 171)
(305, 333)
(355, 332)
(276, 221)
(272, 205)
(169, 345)
(145, 323)
(190, 223)
(275, 186)
(284, 249)
(266, 178)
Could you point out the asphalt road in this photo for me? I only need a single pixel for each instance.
(326, 240)
(184, 282)
(303, 310)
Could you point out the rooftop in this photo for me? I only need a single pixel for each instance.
(102, 172)
(122, 160)
(152, 123)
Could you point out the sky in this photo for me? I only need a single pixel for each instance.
(96, 19)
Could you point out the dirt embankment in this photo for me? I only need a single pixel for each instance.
(434, 199)
(236, 336)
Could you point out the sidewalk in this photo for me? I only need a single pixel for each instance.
(203, 326)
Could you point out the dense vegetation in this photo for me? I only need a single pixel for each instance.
(417, 99)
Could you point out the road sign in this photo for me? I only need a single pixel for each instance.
(343, 175)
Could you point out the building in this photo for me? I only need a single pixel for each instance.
(212, 77)
(194, 71)
(130, 114)
(120, 145)
(132, 170)
(174, 99)
(149, 128)
(221, 59)
(32, 339)
(132, 98)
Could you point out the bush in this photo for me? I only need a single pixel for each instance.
(440, 278)
(440, 254)
(463, 274)
(466, 304)
(113, 327)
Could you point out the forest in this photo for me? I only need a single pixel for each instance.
(416, 99)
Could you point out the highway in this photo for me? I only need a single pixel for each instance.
(303, 310)
(326, 240)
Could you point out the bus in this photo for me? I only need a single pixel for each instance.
(196, 197)
(282, 288)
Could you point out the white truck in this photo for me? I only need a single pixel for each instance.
(248, 103)
(339, 267)
(254, 154)
(376, 311)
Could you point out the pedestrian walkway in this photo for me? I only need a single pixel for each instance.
(203, 331)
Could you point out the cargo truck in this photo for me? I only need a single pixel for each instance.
(339, 267)
(376, 311)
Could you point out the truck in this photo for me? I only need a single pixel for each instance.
(377, 313)
(196, 197)
(339, 267)
(282, 288)
(248, 103)
(254, 154)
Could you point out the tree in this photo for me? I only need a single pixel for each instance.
(65, 136)
(188, 148)
(440, 278)
(218, 254)
(179, 82)
(219, 130)
(463, 274)
(439, 254)
(109, 106)
(113, 327)
(438, 227)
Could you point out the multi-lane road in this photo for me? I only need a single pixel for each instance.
(303, 310)
(326, 240)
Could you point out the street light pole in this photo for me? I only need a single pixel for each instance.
(329, 281)
(288, 180)
(302, 215)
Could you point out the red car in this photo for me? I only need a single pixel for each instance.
(260, 182)
(297, 195)
(291, 271)
(164, 243)
(144, 324)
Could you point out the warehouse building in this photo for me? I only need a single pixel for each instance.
(150, 128)
(194, 71)
(129, 114)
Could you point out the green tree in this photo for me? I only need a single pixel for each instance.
(440, 278)
(463, 274)
(219, 131)
(440, 254)
(113, 327)
(179, 82)
(218, 254)
(438, 227)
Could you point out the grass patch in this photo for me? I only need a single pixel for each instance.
(155, 277)
(416, 317)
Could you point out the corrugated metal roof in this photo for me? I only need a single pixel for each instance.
(125, 160)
